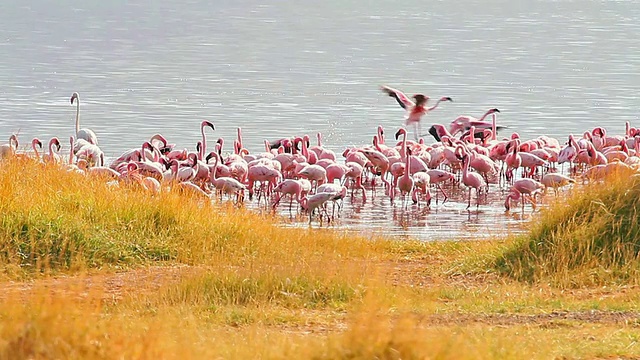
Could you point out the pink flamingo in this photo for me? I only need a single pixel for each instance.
(52, 157)
(336, 171)
(227, 185)
(313, 202)
(203, 148)
(513, 159)
(314, 173)
(438, 131)
(421, 182)
(290, 187)
(465, 122)
(528, 188)
(556, 181)
(35, 144)
(471, 179)
(355, 174)
(415, 111)
(264, 174)
(380, 162)
(405, 183)
(437, 177)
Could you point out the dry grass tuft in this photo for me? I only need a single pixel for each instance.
(590, 238)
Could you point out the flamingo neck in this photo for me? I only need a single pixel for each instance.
(203, 148)
(319, 135)
(35, 149)
(376, 143)
(71, 142)
(215, 169)
(407, 166)
(493, 127)
(435, 106)
(403, 151)
(77, 115)
(627, 127)
(485, 115)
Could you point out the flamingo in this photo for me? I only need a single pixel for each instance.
(228, 185)
(7, 150)
(52, 157)
(465, 122)
(470, 179)
(525, 187)
(313, 202)
(421, 182)
(405, 182)
(355, 174)
(203, 148)
(84, 134)
(35, 144)
(513, 159)
(415, 111)
(291, 187)
(556, 181)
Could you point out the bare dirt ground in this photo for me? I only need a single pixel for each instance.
(114, 286)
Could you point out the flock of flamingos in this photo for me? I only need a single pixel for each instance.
(467, 152)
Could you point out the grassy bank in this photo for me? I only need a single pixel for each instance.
(93, 271)
(590, 238)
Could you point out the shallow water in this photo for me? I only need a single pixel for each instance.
(285, 68)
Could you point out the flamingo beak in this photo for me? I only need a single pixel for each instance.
(398, 134)
(496, 110)
(448, 99)
(39, 143)
(210, 124)
(73, 97)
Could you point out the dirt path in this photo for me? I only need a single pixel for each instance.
(114, 286)
(105, 285)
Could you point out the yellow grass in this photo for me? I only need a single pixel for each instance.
(91, 271)
(590, 238)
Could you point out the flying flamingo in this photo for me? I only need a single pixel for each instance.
(84, 134)
(415, 111)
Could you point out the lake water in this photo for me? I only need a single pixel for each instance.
(279, 68)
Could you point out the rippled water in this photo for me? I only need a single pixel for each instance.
(144, 66)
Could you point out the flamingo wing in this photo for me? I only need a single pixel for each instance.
(400, 97)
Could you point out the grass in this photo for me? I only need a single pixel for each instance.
(96, 271)
(590, 238)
